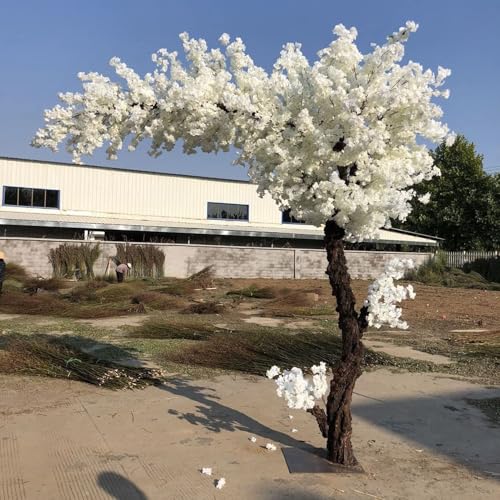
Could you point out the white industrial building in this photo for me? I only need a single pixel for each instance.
(55, 200)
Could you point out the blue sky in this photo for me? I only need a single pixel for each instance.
(44, 45)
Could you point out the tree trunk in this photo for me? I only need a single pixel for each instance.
(348, 369)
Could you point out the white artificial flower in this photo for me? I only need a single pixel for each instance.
(450, 139)
(300, 392)
(221, 483)
(274, 371)
(224, 39)
(207, 471)
(342, 136)
(384, 295)
(425, 198)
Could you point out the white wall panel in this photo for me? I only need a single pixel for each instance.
(105, 192)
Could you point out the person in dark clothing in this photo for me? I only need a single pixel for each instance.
(2, 270)
(121, 271)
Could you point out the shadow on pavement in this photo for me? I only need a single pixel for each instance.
(217, 417)
(119, 487)
(443, 424)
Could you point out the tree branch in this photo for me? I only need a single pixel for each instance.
(319, 414)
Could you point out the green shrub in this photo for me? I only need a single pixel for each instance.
(489, 268)
(436, 272)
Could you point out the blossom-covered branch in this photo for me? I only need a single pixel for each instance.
(298, 391)
(384, 295)
(339, 137)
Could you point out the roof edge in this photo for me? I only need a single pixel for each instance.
(129, 170)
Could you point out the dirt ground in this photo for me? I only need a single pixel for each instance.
(414, 434)
(435, 308)
(417, 435)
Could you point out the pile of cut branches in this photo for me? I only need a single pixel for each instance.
(147, 260)
(54, 357)
(203, 278)
(254, 352)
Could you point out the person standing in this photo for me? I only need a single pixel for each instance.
(122, 270)
(2, 270)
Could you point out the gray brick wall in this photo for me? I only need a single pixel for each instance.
(362, 264)
(228, 261)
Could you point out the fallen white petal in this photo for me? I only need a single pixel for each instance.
(253, 439)
(221, 483)
(295, 430)
(271, 447)
(290, 417)
(207, 471)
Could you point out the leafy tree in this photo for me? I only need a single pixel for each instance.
(464, 206)
(338, 142)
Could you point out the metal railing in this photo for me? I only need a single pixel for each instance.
(459, 259)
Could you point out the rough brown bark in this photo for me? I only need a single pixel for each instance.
(338, 419)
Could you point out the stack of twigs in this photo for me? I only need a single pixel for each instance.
(256, 352)
(147, 260)
(164, 329)
(203, 278)
(53, 357)
(69, 261)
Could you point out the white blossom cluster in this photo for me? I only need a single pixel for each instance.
(384, 295)
(340, 137)
(298, 391)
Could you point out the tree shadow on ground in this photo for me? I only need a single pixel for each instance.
(217, 417)
(443, 424)
(119, 487)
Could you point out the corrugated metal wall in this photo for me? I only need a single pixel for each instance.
(110, 192)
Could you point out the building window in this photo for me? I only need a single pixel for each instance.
(230, 211)
(29, 197)
(287, 218)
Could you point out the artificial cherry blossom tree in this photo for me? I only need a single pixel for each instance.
(339, 142)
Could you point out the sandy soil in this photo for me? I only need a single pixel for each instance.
(435, 308)
(403, 351)
(415, 436)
